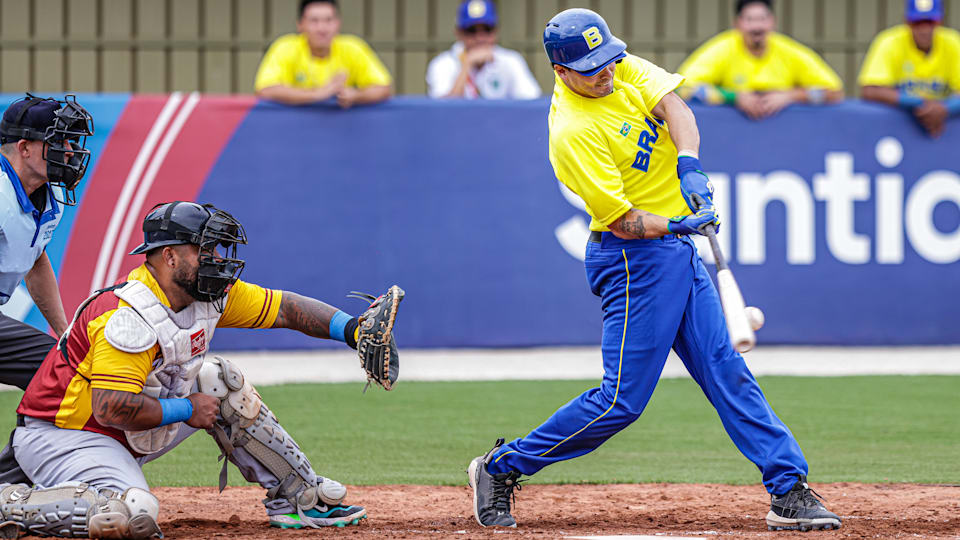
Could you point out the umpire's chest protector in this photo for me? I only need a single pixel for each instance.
(183, 338)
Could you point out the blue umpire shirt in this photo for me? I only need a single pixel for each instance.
(24, 230)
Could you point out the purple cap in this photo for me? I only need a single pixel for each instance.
(924, 10)
(473, 12)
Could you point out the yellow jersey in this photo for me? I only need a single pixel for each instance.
(61, 391)
(894, 60)
(612, 151)
(724, 61)
(289, 62)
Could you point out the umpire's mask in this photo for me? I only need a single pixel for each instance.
(63, 126)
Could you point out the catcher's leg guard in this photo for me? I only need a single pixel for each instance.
(131, 515)
(250, 435)
(80, 511)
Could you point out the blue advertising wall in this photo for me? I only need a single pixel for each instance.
(457, 203)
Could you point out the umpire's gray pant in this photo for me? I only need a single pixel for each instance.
(22, 350)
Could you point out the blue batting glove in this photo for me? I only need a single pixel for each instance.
(693, 182)
(695, 223)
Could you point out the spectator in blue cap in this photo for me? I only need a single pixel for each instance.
(476, 67)
(916, 66)
(42, 159)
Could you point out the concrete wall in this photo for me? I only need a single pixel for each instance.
(215, 45)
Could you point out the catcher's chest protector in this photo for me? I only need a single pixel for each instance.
(183, 338)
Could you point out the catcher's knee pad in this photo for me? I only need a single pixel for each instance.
(239, 401)
(133, 514)
(247, 423)
(79, 511)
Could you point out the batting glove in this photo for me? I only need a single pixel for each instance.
(695, 223)
(693, 182)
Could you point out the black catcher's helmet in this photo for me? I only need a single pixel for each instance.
(204, 225)
(56, 123)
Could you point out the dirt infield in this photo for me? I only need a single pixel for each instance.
(547, 511)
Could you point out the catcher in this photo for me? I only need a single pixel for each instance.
(129, 380)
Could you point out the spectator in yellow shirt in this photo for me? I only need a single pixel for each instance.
(916, 66)
(319, 63)
(756, 69)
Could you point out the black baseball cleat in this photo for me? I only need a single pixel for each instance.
(800, 509)
(492, 493)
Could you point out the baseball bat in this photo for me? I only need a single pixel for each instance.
(741, 333)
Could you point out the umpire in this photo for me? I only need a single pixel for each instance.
(42, 159)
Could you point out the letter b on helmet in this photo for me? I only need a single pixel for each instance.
(593, 36)
(579, 39)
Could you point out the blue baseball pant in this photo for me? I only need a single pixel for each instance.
(656, 294)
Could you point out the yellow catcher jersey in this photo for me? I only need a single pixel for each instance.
(894, 60)
(724, 61)
(61, 390)
(612, 151)
(289, 62)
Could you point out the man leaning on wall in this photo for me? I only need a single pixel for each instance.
(319, 63)
(476, 67)
(756, 69)
(916, 66)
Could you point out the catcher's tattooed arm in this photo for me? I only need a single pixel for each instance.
(304, 314)
(135, 412)
(638, 223)
(126, 410)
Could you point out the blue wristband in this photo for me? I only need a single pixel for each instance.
(337, 324)
(952, 104)
(908, 102)
(175, 410)
(687, 164)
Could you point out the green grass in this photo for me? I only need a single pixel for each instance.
(864, 429)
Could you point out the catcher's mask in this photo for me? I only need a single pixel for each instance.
(63, 126)
(181, 222)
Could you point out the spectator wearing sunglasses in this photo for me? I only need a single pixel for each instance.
(476, 67)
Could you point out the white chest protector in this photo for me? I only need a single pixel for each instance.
(183, 338)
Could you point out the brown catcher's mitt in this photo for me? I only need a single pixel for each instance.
(375, 343)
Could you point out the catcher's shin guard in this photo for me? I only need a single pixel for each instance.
(79, 511)
(246, 422)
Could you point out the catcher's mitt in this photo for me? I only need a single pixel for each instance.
(375, 343)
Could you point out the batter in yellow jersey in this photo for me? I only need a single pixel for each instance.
(916, 66)
(318, 63)
(613, 151)
(758, 70)
(623, 141)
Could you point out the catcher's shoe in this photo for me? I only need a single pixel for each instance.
(321, 516)
(492, 493)
(800, 509)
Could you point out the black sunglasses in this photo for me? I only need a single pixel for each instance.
(485, 28)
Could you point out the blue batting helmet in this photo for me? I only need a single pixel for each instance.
(579, 39)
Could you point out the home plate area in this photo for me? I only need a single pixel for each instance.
(622, 511)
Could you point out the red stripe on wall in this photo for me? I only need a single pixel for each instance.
(191, 158)
(100, 197)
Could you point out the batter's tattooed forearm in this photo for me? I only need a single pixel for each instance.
(126, 410)
(307, 315)
(635, 226)
(632, 223)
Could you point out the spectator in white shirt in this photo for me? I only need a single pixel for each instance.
(476, 67)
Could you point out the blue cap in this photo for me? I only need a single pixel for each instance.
(924, 10)
(473, 12)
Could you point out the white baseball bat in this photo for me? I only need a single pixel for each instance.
(734, 309)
